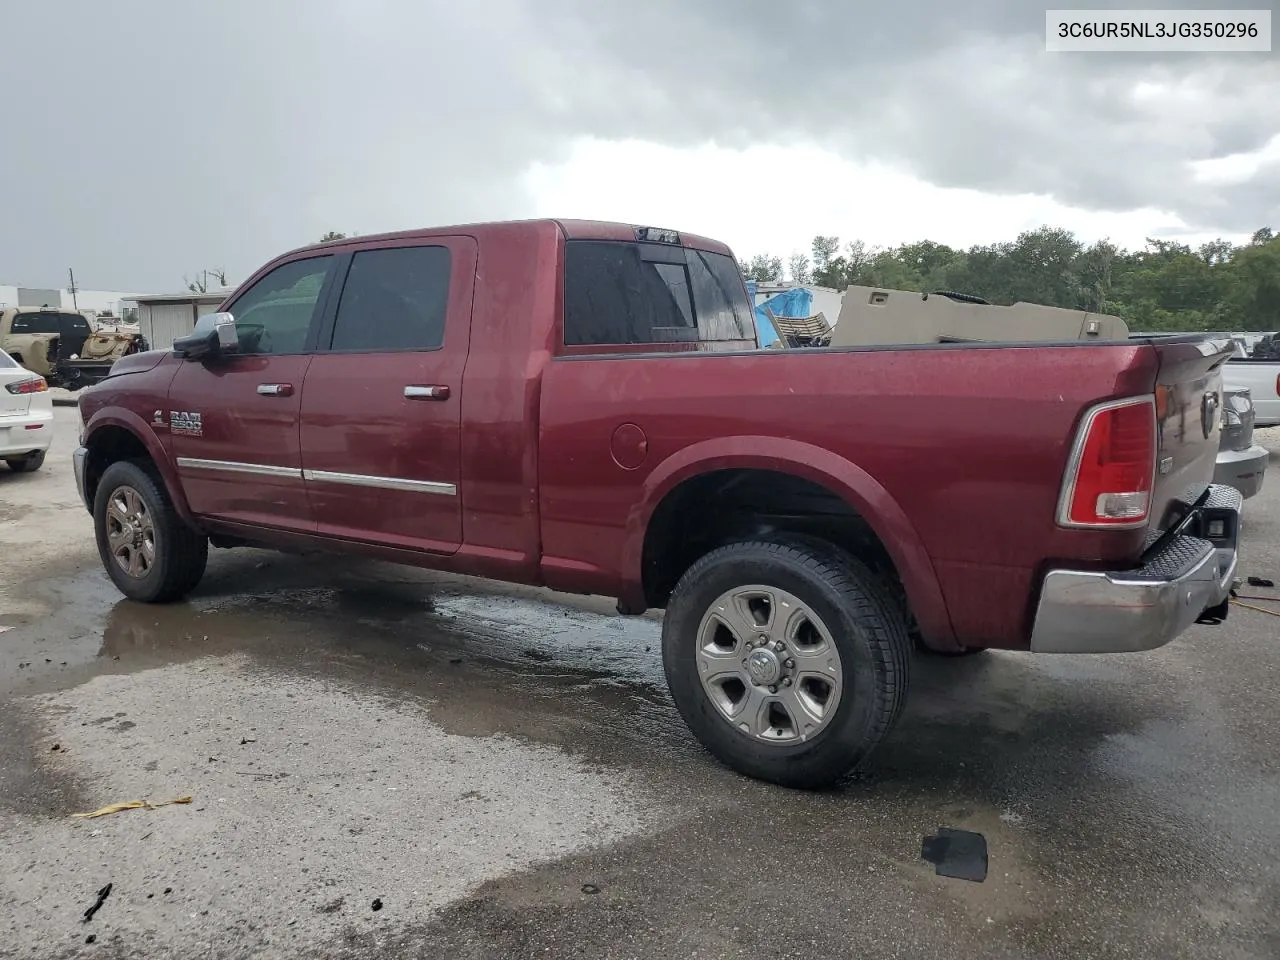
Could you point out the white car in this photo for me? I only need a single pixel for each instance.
(1262, 379)
(26, 416)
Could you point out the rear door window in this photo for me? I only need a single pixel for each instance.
(394, 299)
(621, 293)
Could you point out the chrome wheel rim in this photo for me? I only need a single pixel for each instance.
(769, 664)
(131, 534)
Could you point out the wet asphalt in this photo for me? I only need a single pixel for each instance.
(502, 770)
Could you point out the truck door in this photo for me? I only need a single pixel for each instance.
(233, 418)
(381, 410)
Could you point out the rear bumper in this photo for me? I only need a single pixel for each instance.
(27, 434)
(1118, 612)
(1242, 469)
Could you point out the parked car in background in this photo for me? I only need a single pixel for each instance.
(26, 416)
(1261, 377)
(585, 406)
(1241, 462)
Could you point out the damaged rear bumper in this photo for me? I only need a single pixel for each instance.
(1188, 577)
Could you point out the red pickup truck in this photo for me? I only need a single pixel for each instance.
(584, 406)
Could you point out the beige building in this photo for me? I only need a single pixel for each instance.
(163, 317)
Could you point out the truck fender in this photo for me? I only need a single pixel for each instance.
(128, 420)
(845, 479)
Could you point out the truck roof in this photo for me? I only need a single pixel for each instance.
(571, 229)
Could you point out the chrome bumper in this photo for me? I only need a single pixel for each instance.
(1242, 469)
(77, 464)
(1188, 578)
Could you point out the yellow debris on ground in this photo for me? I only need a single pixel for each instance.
(130, 805)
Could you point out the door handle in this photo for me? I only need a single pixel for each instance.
(420, 392)
(275, 389)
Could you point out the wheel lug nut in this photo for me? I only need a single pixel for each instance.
(789, 664)
(786, 681)
(773, 688)
(779, 646)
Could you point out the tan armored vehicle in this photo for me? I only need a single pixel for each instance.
(62, 346)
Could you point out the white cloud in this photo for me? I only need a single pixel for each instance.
(1237, 167)
(774, 199)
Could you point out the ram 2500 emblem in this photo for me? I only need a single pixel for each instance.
(186, 424)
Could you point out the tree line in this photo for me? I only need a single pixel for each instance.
(1164, 286)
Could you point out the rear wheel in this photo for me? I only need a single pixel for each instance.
(32, 461)
(147, 550)
(788, 660)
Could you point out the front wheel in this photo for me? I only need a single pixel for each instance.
(147, 550)
(788, 660)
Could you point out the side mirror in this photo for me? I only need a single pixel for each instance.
(215, 334)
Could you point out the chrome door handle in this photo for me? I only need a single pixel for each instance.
(421, 392)
(275, 389)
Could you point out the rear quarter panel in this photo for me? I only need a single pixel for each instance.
(954, 454)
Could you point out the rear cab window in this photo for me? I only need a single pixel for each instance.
(49, 321)
(643, 292)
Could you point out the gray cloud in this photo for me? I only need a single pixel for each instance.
(163, 138)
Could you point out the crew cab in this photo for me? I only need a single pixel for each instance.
(585, 406)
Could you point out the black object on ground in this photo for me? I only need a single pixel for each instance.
(960, 854)
(377, 904)
(1260, 582)
(590, 888)
(102, 898)
(91, 938)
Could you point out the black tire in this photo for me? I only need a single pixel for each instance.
(864, 622)
(27, 464)
(180, 553)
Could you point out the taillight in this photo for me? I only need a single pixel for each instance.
(1112, 466)
(34, 385)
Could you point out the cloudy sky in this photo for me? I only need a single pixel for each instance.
(146, 140)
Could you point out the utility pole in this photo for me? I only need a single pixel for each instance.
(75, 304)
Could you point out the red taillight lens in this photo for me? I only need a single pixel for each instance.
(34, 385)
(1112, 466)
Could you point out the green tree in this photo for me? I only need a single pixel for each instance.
(763, 268)
(1166, 285)
(798, 269)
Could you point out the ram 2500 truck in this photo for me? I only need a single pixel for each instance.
(584, 406)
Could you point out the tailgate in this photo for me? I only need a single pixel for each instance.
(1189, 400)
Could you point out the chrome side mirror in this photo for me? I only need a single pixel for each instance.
(215, 334)
(228, 337)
